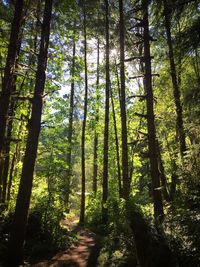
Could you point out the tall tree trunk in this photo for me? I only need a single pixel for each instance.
(106, 127)
(155, 175)
(70, 129)
(9, 71)
(17, 235)
(32, 63)
(117, 145)
(82, 213)
(7, 141)
(6, 135)
(174, 78)
(116, 135)
(95, 164)
(125, 174)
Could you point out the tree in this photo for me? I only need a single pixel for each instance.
(82, 212)
(155, 175)
(9, 73)
(125, 172)
(176, 89)
(17, 236)
(106, 125)
(70, 128)
(95, 164)
(116, 143)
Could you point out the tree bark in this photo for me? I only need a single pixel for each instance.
(9, 71)
(176, 89)
(117, 145)
(152, 249)
(125, 173)
(82, 212)
(17, 235)
(70, 130)
(106, 127)
(155, 175)
(96, 136)
(32, 63)
(5, 160)
(116, 134)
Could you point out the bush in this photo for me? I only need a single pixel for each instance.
(44, 233)
(117, 245)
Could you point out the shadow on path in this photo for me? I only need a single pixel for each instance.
(94, 254)
(82, 254)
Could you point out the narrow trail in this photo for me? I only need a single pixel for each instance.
(83, 253)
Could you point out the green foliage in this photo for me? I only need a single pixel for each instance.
(182, 232)
(182, 222)
(44, 232)
(93, 214)
(117, 240)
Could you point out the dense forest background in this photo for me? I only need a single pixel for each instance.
(99, 119)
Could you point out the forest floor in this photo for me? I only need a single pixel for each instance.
(83, 253)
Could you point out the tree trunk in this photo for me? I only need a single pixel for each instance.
(155, 175)
(9, 71)
(17, 235)
(70, 130)
(106, 127)
(117, 145)
(82, 213)
(152, 249)
(176, 89)
(95, 164)
(5, 161)
(125, 173)
(15, 103)
(116, 134)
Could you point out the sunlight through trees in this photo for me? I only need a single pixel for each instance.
(99, 131)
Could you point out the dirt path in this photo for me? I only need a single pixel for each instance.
(82, 254)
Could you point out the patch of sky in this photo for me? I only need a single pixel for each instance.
(5, 2)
